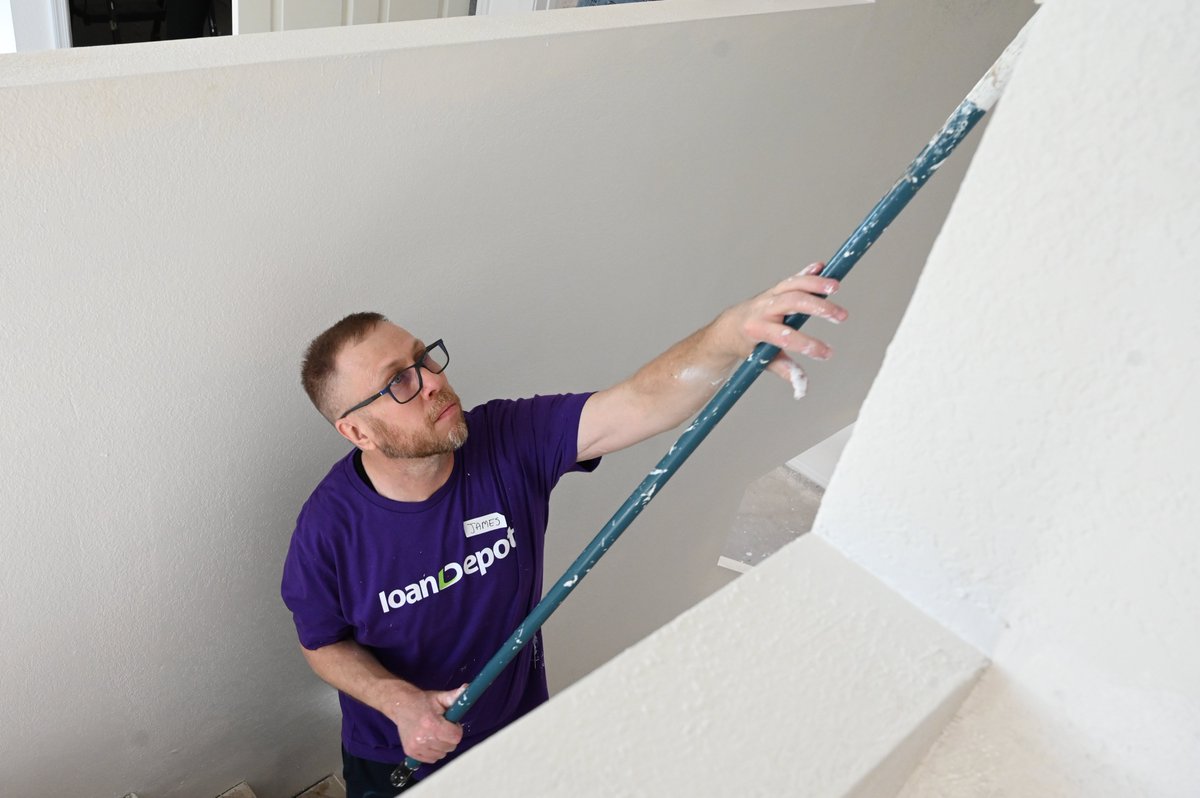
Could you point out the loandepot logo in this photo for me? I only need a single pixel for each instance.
(451, 574)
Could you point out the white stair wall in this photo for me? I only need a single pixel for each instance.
(804, 677)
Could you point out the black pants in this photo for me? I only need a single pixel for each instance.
(368, 779)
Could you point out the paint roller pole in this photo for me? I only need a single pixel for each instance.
(969, 112)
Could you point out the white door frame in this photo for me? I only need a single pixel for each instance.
(38, 25)
(62, 24)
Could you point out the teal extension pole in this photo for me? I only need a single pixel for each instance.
(965, 116)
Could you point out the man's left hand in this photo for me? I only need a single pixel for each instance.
(760, 319)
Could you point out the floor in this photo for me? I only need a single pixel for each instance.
(329, 787)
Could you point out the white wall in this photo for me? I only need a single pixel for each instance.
(806, 677)
(181, 217)
(1025, 468)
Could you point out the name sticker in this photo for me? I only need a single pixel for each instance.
(484, 523)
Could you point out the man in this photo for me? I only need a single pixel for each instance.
(421, 551)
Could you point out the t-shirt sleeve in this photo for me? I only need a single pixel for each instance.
(543, 432)
(310, 587)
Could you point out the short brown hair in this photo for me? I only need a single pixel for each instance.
(320, 359)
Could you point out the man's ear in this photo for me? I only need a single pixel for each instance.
(356, 433)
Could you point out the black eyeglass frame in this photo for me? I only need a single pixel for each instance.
(418, 364)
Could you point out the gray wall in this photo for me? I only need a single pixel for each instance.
(559, 208)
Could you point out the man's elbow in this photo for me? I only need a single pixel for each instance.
(319, 653)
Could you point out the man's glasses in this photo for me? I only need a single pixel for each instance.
(407, 383)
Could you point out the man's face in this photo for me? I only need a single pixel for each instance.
(432, 423)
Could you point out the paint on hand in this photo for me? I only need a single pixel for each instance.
(799, 381)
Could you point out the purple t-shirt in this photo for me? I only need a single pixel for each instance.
(434, 588)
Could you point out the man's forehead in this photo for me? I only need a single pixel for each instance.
(370, 358)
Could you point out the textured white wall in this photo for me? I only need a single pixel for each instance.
(1024, 468)
(176, 229)
(805, 677)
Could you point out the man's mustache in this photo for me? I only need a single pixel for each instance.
(441, 401)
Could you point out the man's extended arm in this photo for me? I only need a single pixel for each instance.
(424, 733)
(677, 383)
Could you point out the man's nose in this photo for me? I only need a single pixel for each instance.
(431, 383)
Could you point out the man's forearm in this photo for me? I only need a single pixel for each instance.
(677, 383)
(424, 732)
(673, 386)
(355, 671)
(662, 393)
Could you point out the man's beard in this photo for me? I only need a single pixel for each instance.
(398, 444)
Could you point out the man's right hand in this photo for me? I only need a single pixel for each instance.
(418, 714)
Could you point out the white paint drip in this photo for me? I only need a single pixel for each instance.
(799, 381)
(695, 374)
